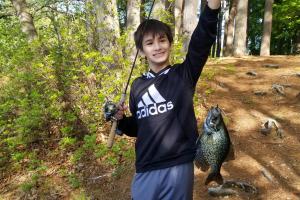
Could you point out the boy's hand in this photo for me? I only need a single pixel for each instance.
(214, 4)
(121, 111)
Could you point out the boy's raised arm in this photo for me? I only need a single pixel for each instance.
(201, 41)
(214, 4)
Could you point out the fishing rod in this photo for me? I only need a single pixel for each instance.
(123, 96)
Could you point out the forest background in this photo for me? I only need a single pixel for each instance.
(61, 59)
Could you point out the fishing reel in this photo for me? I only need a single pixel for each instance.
(109, 110)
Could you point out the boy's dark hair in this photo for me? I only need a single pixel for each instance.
(151, 26)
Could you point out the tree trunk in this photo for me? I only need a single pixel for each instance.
(169, 7)
(142, 11)
(90, 24)
(26, 20)
(133, 21)
(107, 25)
(178, 15)
(228, 50)
(226, 19)
(297, 43)
(189, 20)
(219, 30)
(240, 33)
(158, 7)
(213, 50)
(267, 29)
(133, 14)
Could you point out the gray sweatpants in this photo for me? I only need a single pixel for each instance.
(174, 183)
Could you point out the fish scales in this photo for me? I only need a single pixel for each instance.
(213, 145)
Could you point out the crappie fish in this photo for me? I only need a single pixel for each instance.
(213, 146)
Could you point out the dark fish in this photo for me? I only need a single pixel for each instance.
(213, 146)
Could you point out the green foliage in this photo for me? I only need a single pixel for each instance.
(77, 155)
(255, 25)
(27, 185)
(208, 74)
(74, 180)
(34, 162)
(67, 142)
(285, 26)
(80, 196)
(230, 68)
(209, 91)
(177, 53)
(89, 142)
(18, 156)
(122, 11)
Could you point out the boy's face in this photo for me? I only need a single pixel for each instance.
(157, 50)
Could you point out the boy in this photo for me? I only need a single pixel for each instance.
(161, 104)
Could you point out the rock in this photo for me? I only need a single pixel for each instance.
(269, 125)
(287, 85)
(278, 88)
(265, 131)
(274, 66)
(232, 187)
(251, 73)
(260, 93)
(219, 191)
(221, 84)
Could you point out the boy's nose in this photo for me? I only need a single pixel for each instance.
(156, 45)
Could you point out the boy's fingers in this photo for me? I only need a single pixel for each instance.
(123, 108)
(119, 115)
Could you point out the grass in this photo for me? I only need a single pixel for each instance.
(74, 180)
(247, 100)
(230, 69)
(27, 185)
(80, 196)
(208, 74)
(3, 80)
(209, 91)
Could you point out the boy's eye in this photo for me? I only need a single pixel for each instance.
(149, 43)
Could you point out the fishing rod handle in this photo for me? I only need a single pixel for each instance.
(114, 125)
(112, 134)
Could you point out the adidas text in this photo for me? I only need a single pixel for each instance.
(154, 109)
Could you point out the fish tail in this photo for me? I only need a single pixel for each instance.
(217, 177)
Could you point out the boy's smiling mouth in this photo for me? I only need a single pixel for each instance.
(159, 54)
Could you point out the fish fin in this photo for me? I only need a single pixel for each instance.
(231, 154)
(200, 160)
(217, 177)
(203, 165)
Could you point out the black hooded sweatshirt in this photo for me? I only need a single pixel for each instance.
(161, 104)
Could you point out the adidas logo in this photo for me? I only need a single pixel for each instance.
(152, 103)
